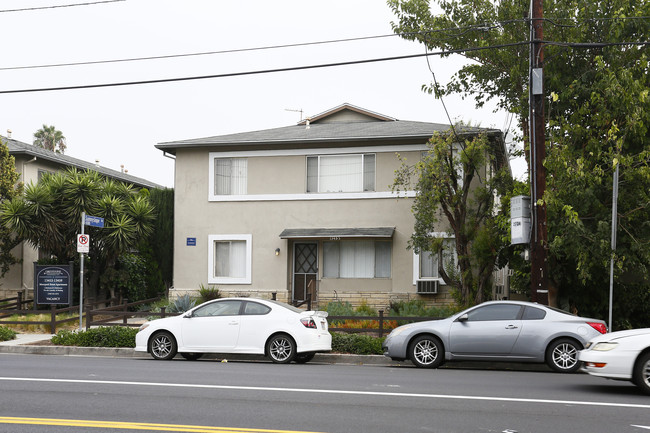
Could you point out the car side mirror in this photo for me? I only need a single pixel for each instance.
(463, 318)
(187, 316)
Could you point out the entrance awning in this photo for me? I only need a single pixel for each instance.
(338, 233)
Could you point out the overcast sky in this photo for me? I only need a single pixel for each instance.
(121, 125)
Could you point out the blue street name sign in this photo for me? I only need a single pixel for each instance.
(94, 221)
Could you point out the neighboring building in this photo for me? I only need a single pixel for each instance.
(304, 210)
(31, 163)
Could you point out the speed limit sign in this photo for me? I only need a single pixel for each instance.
(83, 244)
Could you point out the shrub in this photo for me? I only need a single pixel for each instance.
(356, 344)
(208, 293)
(7, 334)
(182, 304)
(104, 336)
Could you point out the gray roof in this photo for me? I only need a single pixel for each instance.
(327, 233)
(19, 148)
(321, 134)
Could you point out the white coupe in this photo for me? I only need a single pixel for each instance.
(238, 325)
(621, 355)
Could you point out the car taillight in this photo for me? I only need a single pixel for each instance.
(308, 322)
(598, 327)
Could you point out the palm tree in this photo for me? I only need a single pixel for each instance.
(48, 137)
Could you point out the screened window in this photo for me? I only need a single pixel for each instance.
(230, 176)
(428, 261)
(230, 259)
(341, 173)
(357, 259)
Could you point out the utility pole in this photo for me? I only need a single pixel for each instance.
(538, 239)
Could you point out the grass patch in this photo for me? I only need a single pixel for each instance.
(40, 329)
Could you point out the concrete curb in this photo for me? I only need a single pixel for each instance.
(322, 358)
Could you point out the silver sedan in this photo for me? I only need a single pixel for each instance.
(497, 331)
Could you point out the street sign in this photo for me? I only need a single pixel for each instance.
(191, 242)
(94, 221)
(83, 244)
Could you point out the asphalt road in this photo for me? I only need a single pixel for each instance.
(44, 393)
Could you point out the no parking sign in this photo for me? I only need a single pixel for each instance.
(83, 244)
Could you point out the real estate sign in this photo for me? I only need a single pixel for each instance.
(53, 284)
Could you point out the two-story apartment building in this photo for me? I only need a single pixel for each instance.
(303, 210)
(31, 163)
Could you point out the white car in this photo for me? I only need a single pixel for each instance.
(238, 325)
(621, 355)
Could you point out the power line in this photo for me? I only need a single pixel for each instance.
(60, 6)
(263, 71)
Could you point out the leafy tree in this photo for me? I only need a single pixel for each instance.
(48, 215)
(162, 236)
(596, 115)
(48, 137)
(8, 190)
(453, 187)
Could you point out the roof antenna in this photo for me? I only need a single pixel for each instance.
(295, 111)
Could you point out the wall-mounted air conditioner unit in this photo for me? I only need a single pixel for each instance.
(427, 287)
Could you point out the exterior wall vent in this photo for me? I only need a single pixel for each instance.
(427, 287)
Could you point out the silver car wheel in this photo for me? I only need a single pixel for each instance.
(562, 355)
(281, 349)
(162, 346)
(426, 351)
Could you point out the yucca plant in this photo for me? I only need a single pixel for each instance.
(181, 304)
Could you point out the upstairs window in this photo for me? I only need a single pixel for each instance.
(230, 176)
(341, 173)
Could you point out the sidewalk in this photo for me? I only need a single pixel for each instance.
(29, 344)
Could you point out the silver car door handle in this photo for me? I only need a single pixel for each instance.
(512, 327)
(233, 323)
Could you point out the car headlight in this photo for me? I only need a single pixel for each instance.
(604, 347)
(143, 326)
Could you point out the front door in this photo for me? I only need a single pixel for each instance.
(305, 270)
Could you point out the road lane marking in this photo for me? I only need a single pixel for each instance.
(135, 425)
(329, 391)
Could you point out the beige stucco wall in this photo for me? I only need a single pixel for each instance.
(197, 217)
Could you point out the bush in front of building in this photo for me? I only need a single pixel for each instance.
(7, 334)
(356, 344)
(104, 336)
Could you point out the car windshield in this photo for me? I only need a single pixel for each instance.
(287, 306)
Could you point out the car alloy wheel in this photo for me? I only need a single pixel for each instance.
(162, 346)
(562, 356)
(426, 352)
(281, 349)
(641, 376)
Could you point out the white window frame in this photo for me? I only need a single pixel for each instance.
(361, 182)
(212, 174)
(416, 260)
(247, 279)
(391, 148)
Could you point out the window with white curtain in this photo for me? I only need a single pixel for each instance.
(341, 173)
(230, 259)
(230, 176)
(426, 263)
(357, 259)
